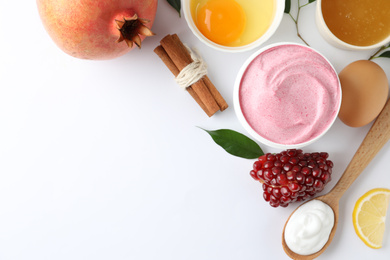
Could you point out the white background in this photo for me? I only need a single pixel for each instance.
(104, 159)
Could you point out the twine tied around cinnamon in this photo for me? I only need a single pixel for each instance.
(177, 57)
(193, 72)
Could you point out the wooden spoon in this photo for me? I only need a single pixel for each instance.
(375, 139)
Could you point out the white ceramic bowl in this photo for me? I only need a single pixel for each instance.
(243, 120)
(336, 42)
(271, 30)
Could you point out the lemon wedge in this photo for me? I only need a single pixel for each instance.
(369, 216)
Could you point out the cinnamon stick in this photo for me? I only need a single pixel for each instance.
(214, 91)
(181, 58)
(159, 50)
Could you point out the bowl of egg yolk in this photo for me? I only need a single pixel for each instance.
(233, 25)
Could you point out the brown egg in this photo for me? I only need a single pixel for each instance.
(364, 92)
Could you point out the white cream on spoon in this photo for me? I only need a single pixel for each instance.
(308, 229)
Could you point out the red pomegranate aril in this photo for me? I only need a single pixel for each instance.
(285, 191)
(324, 155)
(302, 163)
(260, 174)
(281, 179)
(276, 193)
(311, 164)
(284, 159)
(300, 178)
(325, 177)
(276, 170)
(262, 158)
(266, 196)
(291, 152)
(292, 175)
(306, 171)
(309, 181)
(268, 175)
(271, 157)
(277, 163)
(318, 185)
(254, 175)
(293, 160)
(285, 199)
(316, 172)
(287, 167)
(296, 168)
(268, 164)
(294, 187)
(257, 165)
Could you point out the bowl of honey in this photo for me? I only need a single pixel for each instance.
(233, 25)
(354, 24)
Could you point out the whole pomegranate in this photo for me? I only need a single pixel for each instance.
(97, 29)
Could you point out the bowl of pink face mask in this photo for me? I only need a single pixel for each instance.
(287, 95)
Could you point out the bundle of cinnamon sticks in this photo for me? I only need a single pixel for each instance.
(176, 57)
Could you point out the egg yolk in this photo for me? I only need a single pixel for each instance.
(221, 21)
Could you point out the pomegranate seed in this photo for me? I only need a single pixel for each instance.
(306, 171)
(281, 179)
(302, 163)
(254, 175)
(296, 168)
(294, 160)
(324, 155)
(266, 196)
(325, 177)
(316, 172)
(291, 175)
(271, 157)
(257, 165)
(268, 164)
(287, 167)
(318, 185)
(300, 178)
(262, 158)
(284, 159)
(276, 193)
(285, 192)
(278, 163)
(276, 170)
(294, 187)
(268, 175)
(309, 181)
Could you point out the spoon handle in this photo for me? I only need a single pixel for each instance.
(375, 139)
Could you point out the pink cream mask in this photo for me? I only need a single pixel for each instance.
(287, 95)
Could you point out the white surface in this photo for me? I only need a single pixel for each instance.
(103, 159)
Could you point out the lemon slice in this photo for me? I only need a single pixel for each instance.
(369, 216)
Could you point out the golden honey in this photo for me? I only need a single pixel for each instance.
(358, 22)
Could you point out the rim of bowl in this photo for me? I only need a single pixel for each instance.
(240, 115)
(334, 40)
(278, 15)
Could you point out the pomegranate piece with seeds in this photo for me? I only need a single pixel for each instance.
(291, 175)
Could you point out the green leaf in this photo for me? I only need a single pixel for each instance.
(287, 6)
(385, 54)
(311, 1)
(236, 143)
(175, 4)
